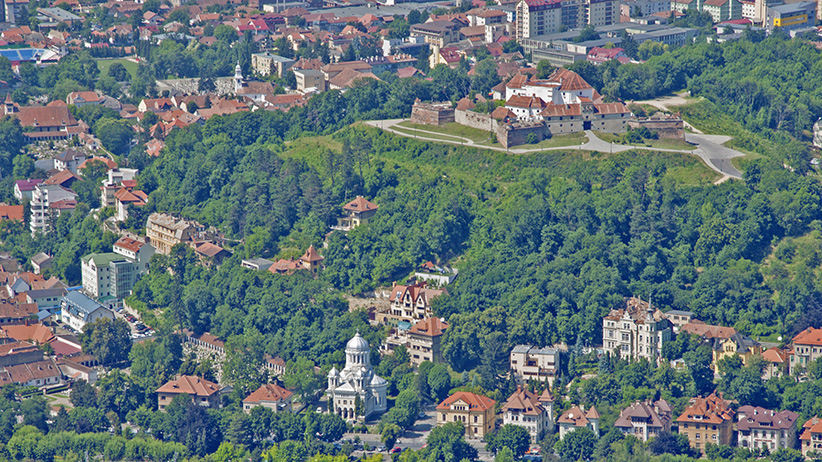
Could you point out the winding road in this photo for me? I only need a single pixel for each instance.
(709, 147)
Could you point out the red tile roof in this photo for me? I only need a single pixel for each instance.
(475, 402)
(129, 244)
(311, 255)
(809, 336)
(696, 327)
(360, 204)
(268, 392)
(525, 402)
(712, 409)
(190, 385)
(528, 102)
(11, 212)
(429, 327)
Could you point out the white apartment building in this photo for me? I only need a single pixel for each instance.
(137, 251)
(78, 309)
(635, 332)
(47, 202)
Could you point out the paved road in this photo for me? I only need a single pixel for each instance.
(709, 147)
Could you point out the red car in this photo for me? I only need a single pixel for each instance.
(395, 450)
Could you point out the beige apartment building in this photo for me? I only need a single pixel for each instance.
(165, 231)
(424, 339)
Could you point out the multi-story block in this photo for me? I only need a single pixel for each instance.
(577, 417)
(635, 331)
(439, 33)
(645, 420)
(424, 340)
(476, 412)
(534, 413)
(539, 17)
(108, 274)
(266, 64)
(791, 16)
(806, 347)
(722, 10)
(78, 309)
(812, 438)
(24, 189)
(409, 303)
(760, 428)
(201, 391)
(47, 203)
(707, 420)
(528, 362)
(165, 231)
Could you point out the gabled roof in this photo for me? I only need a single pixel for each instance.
(429, 327)
(268, 393)
(759, 417)
(27, 185)
(561, 110)
(129, 244)
(525, 102)
(210, 250)
(713, 410)
(190, 385)
(11, 212)
(360, 204)
(476, 403)
(61, 178)
(525, 402)
(775, 355)
(696, 327)
(809, 336)
(577, 417)
(569, 80)
(656, 415)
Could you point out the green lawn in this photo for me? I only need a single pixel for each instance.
(557, 141)
(659, 144)
(104, 64)
(452, 129)
(428, 134)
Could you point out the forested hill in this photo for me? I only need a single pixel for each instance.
(546, 243)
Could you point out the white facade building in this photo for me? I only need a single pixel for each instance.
(635, 331)
(356, 382)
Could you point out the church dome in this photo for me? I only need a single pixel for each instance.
(357, 343)
(333, 372)
(377, 381)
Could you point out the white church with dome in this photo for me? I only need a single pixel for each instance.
(357, 379)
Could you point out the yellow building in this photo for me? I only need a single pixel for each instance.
(737, 344)
(165, 231)
(476, 413)
(707, 420)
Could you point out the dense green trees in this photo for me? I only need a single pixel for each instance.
(109, 341)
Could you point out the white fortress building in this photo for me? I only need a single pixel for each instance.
(356, 382)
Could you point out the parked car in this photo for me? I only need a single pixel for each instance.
(382, 448)
(396, 450)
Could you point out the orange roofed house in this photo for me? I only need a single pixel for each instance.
(578, 417)
(424, 340)
(201, 391)
(409, 303)
(812, 437)
(271, 396)
(476, 412)
(355, 213)
(707, 420)
(806, 348)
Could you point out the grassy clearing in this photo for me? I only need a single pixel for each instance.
(453, 129)
(428, 134)
(658, 144)
(558, 141)
(105, 64)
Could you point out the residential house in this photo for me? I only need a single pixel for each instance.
(210, 254)
(309, 81)
(271, 396)
(83, 98)
(312, 260)
(476, 412)
(425, 340)
(707, 420)
(529, 362)
(776, 363)
(760, 428)
(201, 391)
(40, 262)
(599, 55)
(707, 331)
(24, 189)
(69, 160)
(46, 299)
(737, 345)
(577, 417)
(409, 303)
(135, 250)
(534, 413)
(645, 420)
(679, 318)
(125, 199)
(806, 347)
(634, 332)
(11, 212)
(355, 213)
(811, 438)
(14, 314)
(77, 310)
(165, 231)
